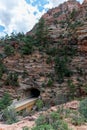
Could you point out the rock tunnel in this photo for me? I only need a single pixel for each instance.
(32, 93)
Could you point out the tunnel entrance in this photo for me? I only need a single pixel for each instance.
(32, 93)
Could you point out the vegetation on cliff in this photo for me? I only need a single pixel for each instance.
(50, 59)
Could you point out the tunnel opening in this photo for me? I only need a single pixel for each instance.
(32, 93)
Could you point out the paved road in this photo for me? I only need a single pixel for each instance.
(24, 102)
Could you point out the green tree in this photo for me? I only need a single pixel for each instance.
(9, 50)
(27, 49)
(41, 32)
(28, 45)
(61, 68)
(73, 14)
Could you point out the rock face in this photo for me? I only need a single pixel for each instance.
(60, 13)
(67, 19)
(66, 23)
(82, 37)
(38, 75)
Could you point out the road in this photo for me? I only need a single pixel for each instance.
(24, 104)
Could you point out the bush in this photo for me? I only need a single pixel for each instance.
(54, 116)
(12, 79)
(43, 127)
(49, 60)
(83, 108)
(10, 115)
(77, 119)
(67, 112)
(25, 128)
(52, 121)
(60, 125)
(50, 82)
(52, 51)
(72, 89)
(2, 69)
(61, 68)
(39, 104)
(41, 120)
(9, 50)
(5, 101)
(25, 74)
(27, 49)
(56, 15)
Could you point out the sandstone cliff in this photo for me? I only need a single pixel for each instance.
(69, 21)
(67, 24)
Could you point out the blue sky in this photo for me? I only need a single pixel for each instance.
(21, 15)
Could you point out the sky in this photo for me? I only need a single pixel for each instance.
(21, 15)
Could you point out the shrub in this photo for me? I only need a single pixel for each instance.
(27, 49)
(43, 84)
(83, 108)
(43, 127)
(56, 15)
(39, 104)
(50, 82)
(10, 115)
(2, 69)
(72, 88)
(41, 120)
(80, 71)
(54, 116)
(52, 121)
(12, 79)
(85, 88)
(25, 128)
(77, 119)
(9, 50)
(5, 101)
(67, 112)
(49, 60)
(52, 51)
(60, 125)
(61, 68)
(25, 74)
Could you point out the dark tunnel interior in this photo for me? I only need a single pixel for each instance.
(32, 93)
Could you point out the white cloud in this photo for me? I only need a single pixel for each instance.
(56, 2)
(18, 15)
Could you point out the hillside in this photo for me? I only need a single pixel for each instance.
(49, 62)
(68, 20)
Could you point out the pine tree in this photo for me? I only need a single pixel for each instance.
(41, 32)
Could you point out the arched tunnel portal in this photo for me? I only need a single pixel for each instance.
(32, 93)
